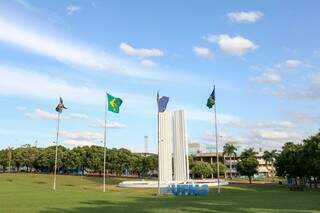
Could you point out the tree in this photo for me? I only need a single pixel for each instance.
(229, 149)
(311, 156)
(222, 168)
(269, 158)
(248, 163)
(17, 158)
(201, 169)
(290, 162)
(29, 154)
(5, 154)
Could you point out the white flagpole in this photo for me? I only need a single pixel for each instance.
(158, 144)
(56, 157)
(216, 132)
(104, 145)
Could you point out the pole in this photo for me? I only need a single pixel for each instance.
(56, 157)
(158, 144)
(104, 146)
(145, 145)
(217, 154)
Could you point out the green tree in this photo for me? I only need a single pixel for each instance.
(201, 169)
(269, 158)
(29, 154)
(17, 158)
(222, 169)
(311, 156)
(5, 155)
(290, 162)
(248, 163)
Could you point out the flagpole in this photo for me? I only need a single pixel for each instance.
(216, 132)
(158, 144)
(104, 145)
(56, 155)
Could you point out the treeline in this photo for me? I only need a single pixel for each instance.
(300, 163)
(79, 160)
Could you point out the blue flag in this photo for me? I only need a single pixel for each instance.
(212, 99)
(162, 103)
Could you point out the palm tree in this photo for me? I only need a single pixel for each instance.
(229, 149)
(273, 154)
(269, 157)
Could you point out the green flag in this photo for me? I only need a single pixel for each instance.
(212, 99)
(114, 103)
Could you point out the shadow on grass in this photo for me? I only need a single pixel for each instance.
(109, 180)
(261, 200)
(40, 182)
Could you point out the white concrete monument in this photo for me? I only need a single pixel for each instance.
(180, 148)
(165, 148)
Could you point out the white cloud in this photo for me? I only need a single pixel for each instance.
(202, 115)
(69, 52)
(145, 53)
(78, 116)
(81, 138)
(274, 124)
(41, 86)
(233, 45)
(269, 76)
(304, 117)
(245, 17)
(293, 63)
(82, 135)
(71, 9)
(148, 63)
(110, 124)
(275, 135)
(75, 143)
(202, 52)
(309, 91)
(223, 138)
(42, 114)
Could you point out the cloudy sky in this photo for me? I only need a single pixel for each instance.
(263, 56)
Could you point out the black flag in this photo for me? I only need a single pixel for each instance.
(60, 106)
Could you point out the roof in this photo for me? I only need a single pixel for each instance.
(209, 154)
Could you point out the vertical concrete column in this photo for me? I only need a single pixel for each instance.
(180, 149)
(165, 152)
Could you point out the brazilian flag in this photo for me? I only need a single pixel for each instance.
(114, 103)
(212, 99)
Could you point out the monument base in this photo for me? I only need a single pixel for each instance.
(154, 184)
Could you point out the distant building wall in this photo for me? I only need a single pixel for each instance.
(263, 169)
(194, 148)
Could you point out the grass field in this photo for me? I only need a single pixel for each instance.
(32, 193)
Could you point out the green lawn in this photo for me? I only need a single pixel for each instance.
(32, 193)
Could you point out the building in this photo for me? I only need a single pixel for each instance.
(264, 170)
(194, 148)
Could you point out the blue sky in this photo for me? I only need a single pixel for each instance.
(263, 57)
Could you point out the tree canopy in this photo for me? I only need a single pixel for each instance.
(300, 162)
(248, 163)
(80, 160)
